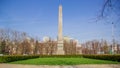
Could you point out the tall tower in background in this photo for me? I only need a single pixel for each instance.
(60, 50)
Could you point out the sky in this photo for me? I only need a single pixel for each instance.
(40, 18)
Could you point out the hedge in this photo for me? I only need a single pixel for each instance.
(5, 59)
(60, 56)
(104, 57)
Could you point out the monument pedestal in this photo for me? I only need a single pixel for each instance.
(60, 50)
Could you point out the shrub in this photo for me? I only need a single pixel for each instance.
(60, 56)
(104, 57)
(4, 59)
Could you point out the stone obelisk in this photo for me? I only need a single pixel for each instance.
(60, 50)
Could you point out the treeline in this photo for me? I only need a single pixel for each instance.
(20, 43)
(100, 47)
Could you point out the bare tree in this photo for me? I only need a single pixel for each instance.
(70, 47)
(118, 48)
(36, 47)
(105, 47)
(110, 6)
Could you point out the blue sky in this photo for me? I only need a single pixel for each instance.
(40, 18)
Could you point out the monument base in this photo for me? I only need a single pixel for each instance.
(60, 50)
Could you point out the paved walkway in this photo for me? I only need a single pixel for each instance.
(59, 66)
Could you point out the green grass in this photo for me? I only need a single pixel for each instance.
(63, 61)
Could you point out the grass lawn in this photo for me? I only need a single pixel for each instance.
(63, 61)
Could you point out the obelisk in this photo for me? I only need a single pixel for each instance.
(60, 50)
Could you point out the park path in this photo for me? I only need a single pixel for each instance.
(60, 66)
